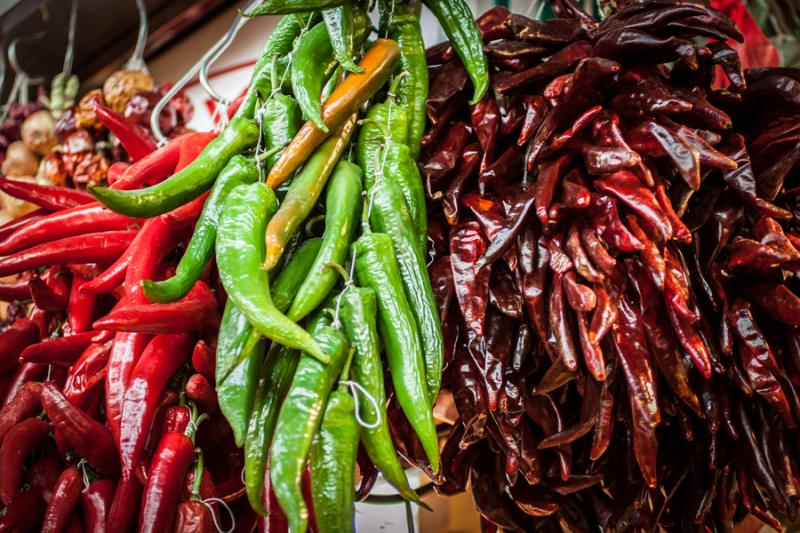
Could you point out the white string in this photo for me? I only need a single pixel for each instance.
(291, 55)
(214, 515)
(260, 121)
(356, 387)
(84, 475)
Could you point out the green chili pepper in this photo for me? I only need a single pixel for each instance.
(412, 94)
(283, 7)
(276, 376)
(294, 274)
(382, 120)
(304, 192)
(390, 215)
(298, 421)
(236, 392)
(240, 251)
(376, 268)
(201, 247)
(343, 207)
(281, 118)
(313, 63)
(359, 317)
(236, 336)
(189, 183)
(339, 23)
(279, 44)
(400, 168)
(333, 464)
(465, 36)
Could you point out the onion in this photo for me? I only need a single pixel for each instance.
(39, 132)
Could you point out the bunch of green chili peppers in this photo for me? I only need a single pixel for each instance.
(303, 342)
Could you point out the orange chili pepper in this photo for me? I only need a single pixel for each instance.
(346, 99)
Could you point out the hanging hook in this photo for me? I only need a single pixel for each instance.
(136, 61)
(69, 55)
(200, 67)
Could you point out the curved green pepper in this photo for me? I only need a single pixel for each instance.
(400, 167)
(387, 118)
(294, 274)
(412, 94)
(359, 318)
(284, 7)
(281, 118)
(339, 23)
(390, 215)
(333, 464)
(240, 251)
(236, 392)
(189, 183)
(343, 207)
(239, 170)
(376, 268)
(273, 384)
(465, 36)
(298, 421)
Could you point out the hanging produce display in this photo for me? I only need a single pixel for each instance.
(582, 232)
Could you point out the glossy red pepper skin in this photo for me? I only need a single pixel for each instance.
(194, 517)
(26, 403)
(162, 357)
(181, 316)
(11, 291)
(136, 141)
(95, 504)
(62, 351)
(88, 218)
(153, 167)
(81, 305)
(43, 475)
(22, 375)
(24, 513)
(50, 290)
(48, 197)
(125, 352)
(14, 340)
(101, 247)
(87, 437)
(168, 469)
(201, 391)
(177, 419)
(65, 499)
(124, 504)
(19, 441)
(204, 359)
(84, 377)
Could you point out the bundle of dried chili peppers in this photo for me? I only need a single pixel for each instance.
(614, 257)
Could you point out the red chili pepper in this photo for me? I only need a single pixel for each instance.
(200, 391)
(24, 513)
(544, 188)
(85, 375)
(81, 305)
(115, 172)
(204, 359)
(168, 399)
(597, 252)
(43, 475)
(467, 245)
(125, 352)
(153, 167)
(50, 197)
(110, 278)
(89, 218)
(21, 334)
(11, 291)
(177, 419)
(182, 316)
(25, 404)
(91, 248)
(96, 503)
(62, 351)
(194, 517)
(23, 374)
(65, 498)
(168, 469)
(87, 437)
(19, 441)
(162, 357)
(604, 316)
(124, 504)
(507, 236)
(275, 521)
(50, 292)
(607, 222)
(627, 187)
(650, 254)
(135, 140)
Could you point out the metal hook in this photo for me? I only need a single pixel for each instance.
(201, 66)
(69, 55)
(136, 61)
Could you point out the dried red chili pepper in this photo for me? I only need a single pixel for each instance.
(13, 341)
(64, 500)
(19, 442)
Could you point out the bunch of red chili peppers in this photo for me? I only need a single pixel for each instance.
(636, 229)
